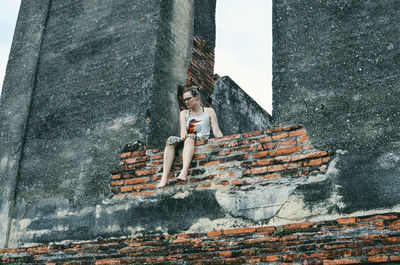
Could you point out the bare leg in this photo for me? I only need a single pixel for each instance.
(169, 154)
(188, 150)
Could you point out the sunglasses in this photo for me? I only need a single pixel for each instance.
(187, 99)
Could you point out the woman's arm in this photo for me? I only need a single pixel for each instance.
(214, 123)
(182, 122)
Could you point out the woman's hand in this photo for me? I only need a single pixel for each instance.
(184, 135)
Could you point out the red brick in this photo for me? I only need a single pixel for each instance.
(232, 261)
(348, 220)
(107, 261)
(293, 128)
(249, 134)
(116, 183)
(248, 164)
(274, 130)
(297, 133)
(225, 254)
(326, 159)
(309, 146)
(261, 154)
(144, 186)
(315, 162)
(252, 260)
(270, 258)
(125, 155)
(280, 136)
(263, 162)
(317, 154)
(291, 257)
(377, 259)
(199, 156)
(146, 171)
(256, 170)
(390, 240)
(297, 226)
(214, 233)
(395, 224)
(157, 156)
(272, 176)
(144, 193)
(126, 176)
(202, 142)
(117, 176)
(334, 246)
(225, 138)
(341, 261)
(380, 216)
(274, 168)
(288, 150)
(383, 249)
(266, 229)
(243, 230)
(283, 158)
(226, 174)
(293, 165)
(243, 149)
(286, 143)
(136, 180)
(265, 139)
(126, 188)
(238, 181)
(153, 151)
(138, 153)
(268, 146)
(135, 166)
(211, 163)
(302, 139)
(394, 258)
(224, 183)
(136, 160)
(156, 163)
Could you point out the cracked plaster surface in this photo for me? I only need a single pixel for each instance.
(296, 208)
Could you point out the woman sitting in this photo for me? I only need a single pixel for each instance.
(194, 125)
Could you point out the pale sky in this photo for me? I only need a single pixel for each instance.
(243, 45)
(8, 17)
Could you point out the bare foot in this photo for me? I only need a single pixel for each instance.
(182, 176)
(162, 183)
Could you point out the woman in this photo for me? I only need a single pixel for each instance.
(195, 125)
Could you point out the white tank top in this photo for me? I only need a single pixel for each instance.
(200, 125)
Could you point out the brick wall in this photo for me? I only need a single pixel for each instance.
(239, 161)
(201, 69)
(353, 240)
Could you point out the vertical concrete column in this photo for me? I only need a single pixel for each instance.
(15, 102)
(336, 70)
(173, 54)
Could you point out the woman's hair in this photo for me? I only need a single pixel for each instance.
(195, 92)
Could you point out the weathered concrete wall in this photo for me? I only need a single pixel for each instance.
(241, 180)
(336, 70)
(236, 111)
(84, 79)
(15, 101)
(365, 240)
